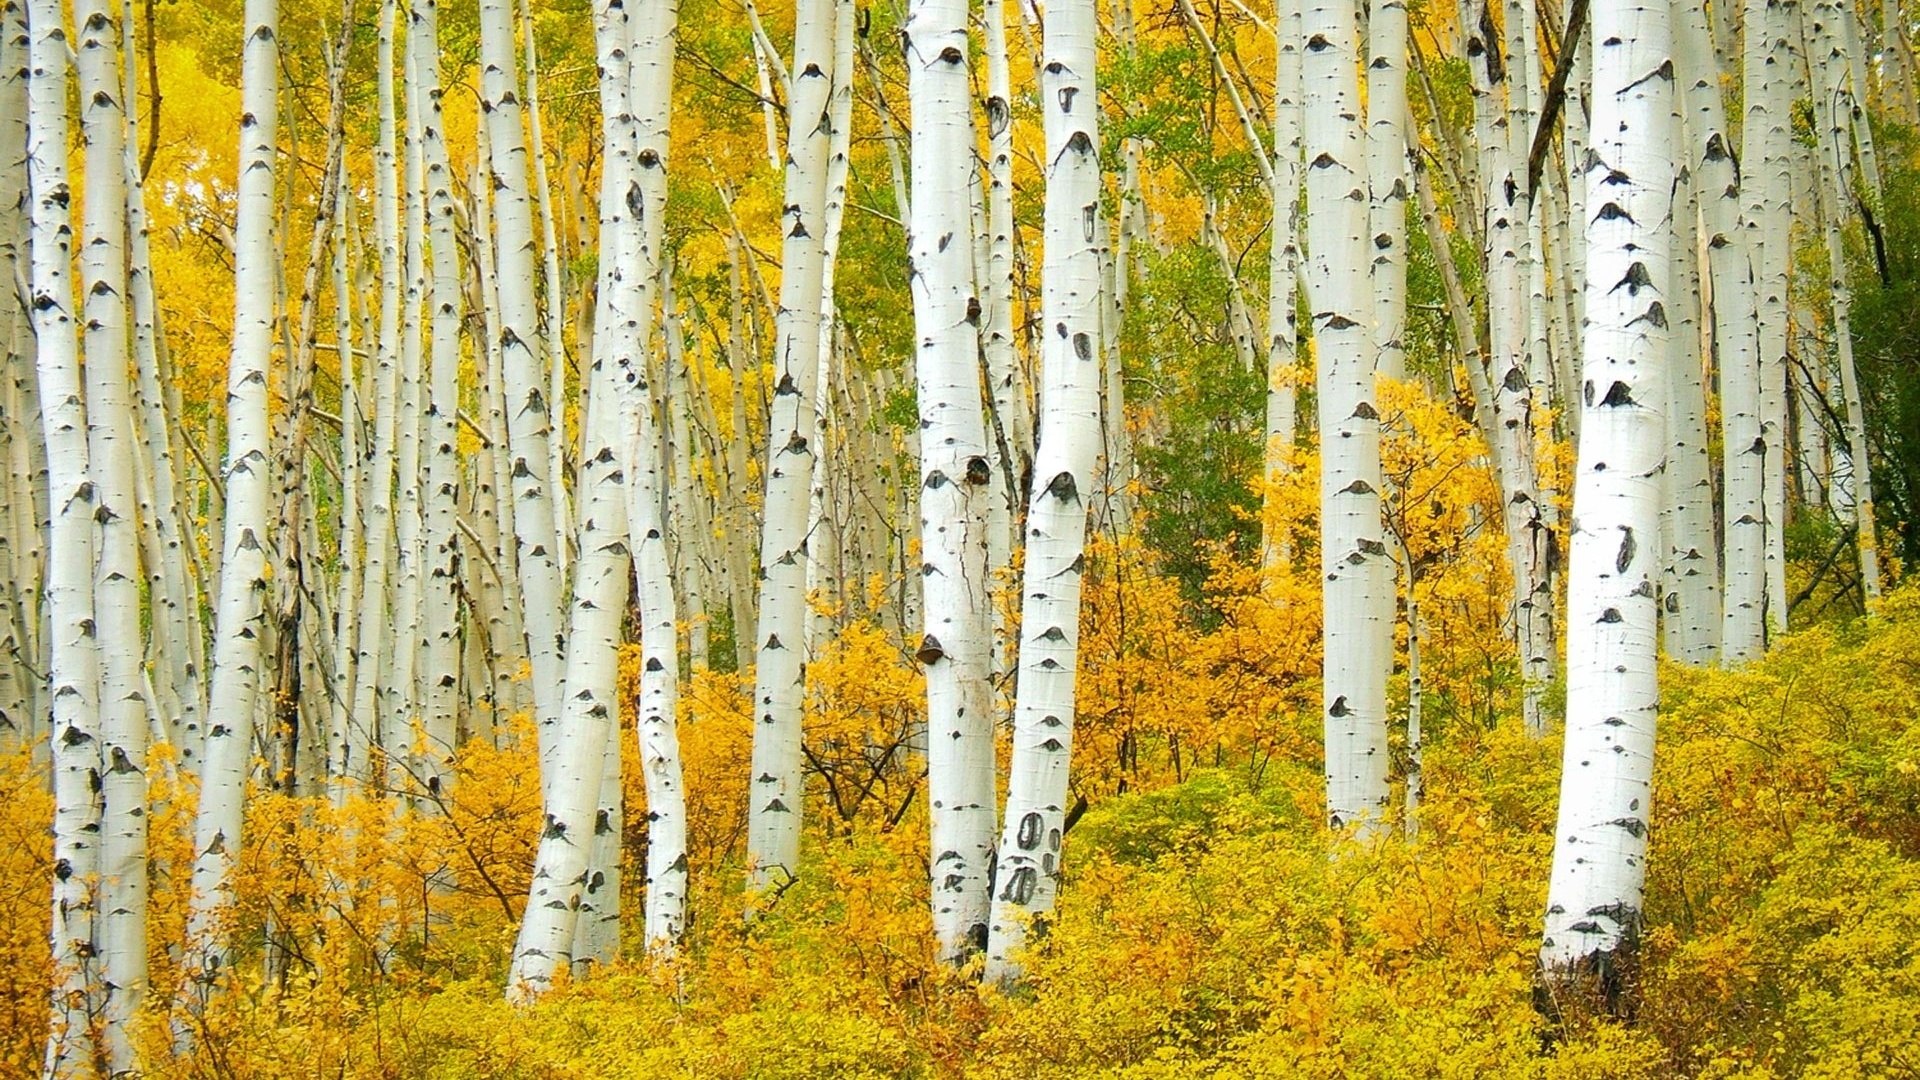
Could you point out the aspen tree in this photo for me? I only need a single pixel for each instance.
(1010, 445)
(954, 647)
(239, 621)
(1387, 181)
(121, 934)
(651, 83)
(1766, 183)
(401, 716)
(776, 788)
(1355, 564)
(577, 747)
(553, 340)
(1026, 881)
(73, 675)
(18, 521)
(1283, 263)
(175, 639)
(1690, 585)
(1833, 106)
(1529, 538)
(377, 638)
(1599, 866)
(529, 427)
(442, 535)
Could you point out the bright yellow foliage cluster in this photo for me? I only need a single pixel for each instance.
(1208, 926)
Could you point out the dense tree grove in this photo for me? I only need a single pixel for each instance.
(666, 537)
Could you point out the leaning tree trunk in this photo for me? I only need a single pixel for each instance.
(1028, 875)
(73, 674)
(776, 786)
(1357, 633)
(239, 620)
(1599, 865)
(955, 647)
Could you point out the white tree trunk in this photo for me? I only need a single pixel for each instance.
(1599, 865)
(441, 656)
(1026, 880)
(1690, 587)
(955, 647)
(18, 667)
(1283, 264)
(73, 675)
(528, 410)
(1834, 107)
(1529, 540)
(567, 886)
(561, 868)
(1010, 442)
(776, 790)
(1766, 167)
(651, 81)
(554, 341)
(1357, 632)
(239, 619)
(377, 639)
(1387, 181)
(121, 935)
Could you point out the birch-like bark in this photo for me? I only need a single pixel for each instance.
(1357, 632)
(553, 340)
(73, 673)
(1834, 107)
(577, 747)
(776, 788)
(401, 716)
(347, 734)
(1027, 877)
(1529, 539)
(651, 81)
(1010, 450)
(19, 669)
(239, 621)
(1731, 321)
(1766, 166)
(1387, 181)
(377, 640)
(1690, 586)
(1283, 265)
(441, 656)
(1599, 866)
(955, 646)
(517, 328)
(121, 934)
(1766, 182)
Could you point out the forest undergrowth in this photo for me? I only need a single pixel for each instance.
(1209, 926)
